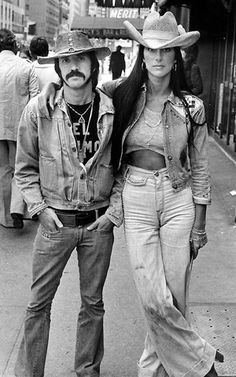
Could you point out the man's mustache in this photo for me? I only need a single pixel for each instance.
(75, 73)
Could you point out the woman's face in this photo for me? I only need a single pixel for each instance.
(159, 62)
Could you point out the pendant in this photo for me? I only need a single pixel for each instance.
(81, 121)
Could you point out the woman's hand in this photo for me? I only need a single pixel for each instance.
(198, 239)
(49, 220)
(46, 99)
(101, 224)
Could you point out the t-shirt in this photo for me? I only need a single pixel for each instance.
(85, 132)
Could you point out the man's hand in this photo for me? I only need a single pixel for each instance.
(46, 99)
(49, 220)
(101, 224)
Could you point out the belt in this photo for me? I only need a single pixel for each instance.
(73, 219)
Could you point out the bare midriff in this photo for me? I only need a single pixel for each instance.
(146, 159)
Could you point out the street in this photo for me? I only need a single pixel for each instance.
(212, 292)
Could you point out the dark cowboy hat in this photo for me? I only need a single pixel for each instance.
(72, 43)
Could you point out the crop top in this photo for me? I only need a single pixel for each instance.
(147, 133)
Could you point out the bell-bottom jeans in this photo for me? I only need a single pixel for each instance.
(50, 255)
(158, 222)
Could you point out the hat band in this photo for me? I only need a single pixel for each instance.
(161, 35)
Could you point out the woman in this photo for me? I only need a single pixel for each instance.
(158, 127)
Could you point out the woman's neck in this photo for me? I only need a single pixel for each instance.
(78, 96)
(158, 87)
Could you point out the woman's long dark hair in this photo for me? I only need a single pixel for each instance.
(126, 95)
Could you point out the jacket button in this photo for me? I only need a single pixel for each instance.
(174, 186)
(73, 149)
(170, 158)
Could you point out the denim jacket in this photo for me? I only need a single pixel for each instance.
(178, 149)
(48, 170)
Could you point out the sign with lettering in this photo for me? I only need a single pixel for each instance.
(125, 13)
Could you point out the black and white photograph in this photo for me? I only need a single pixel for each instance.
(117, 188)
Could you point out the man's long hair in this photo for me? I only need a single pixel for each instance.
(94, 69)
(127, 93)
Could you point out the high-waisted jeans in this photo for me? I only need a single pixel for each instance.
(50, 256)
(158, 223)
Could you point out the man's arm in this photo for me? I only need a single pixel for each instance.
(27, 161)
(33, 82)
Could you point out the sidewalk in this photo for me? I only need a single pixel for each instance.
(212, 292)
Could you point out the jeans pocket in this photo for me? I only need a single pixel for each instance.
(136, 180)
(48, 234)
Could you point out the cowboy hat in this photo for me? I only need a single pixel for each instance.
(162, 32)
(72, 43)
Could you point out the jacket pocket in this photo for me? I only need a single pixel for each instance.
(48, 174)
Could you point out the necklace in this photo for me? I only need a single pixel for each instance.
(151, 118)
(81, 120)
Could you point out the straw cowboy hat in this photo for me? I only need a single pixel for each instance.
(72, 43)
(162, 32)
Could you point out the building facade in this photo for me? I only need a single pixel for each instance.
(46, 16)
(12, 16)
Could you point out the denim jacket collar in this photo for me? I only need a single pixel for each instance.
(106, 105)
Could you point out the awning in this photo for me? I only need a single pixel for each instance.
(101, 27)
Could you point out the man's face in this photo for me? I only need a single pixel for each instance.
(75, 70)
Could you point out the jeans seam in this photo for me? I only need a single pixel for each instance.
(39, 343)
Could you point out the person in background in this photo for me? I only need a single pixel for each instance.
(45, 72)
(63, 170)
(192, 70)
(18, 83)
(25, 54)
(117, 63)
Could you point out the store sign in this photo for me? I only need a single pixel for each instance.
(106, 33)
(118, 12)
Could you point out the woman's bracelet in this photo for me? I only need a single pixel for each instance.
(198, 231)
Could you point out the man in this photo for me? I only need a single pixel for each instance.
(45, 72)
(64, 172)
(18, 84)
(117, 63)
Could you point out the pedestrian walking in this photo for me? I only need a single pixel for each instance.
(18, 83)
(157, 125)
(45, 72)
(117, 63)
(192, 70)
(63, 170)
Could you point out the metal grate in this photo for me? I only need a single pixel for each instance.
(217, 324)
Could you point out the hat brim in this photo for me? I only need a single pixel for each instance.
(101, 53)
(183, 40)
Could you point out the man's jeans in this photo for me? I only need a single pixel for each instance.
(157, 223)
(50, 255)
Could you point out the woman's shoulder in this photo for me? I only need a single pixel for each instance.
(193, 102)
